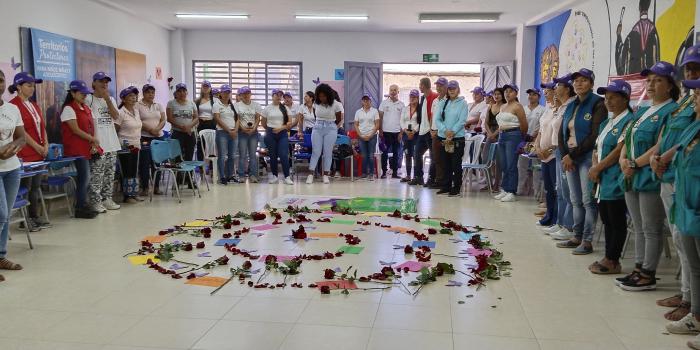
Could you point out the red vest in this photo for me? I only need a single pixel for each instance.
(74, 145)
(430, 99)
(28, 153)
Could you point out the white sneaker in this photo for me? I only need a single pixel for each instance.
(99, 208)
(500, 195)
(371, 177)
(110, 205)
(273, 179)
(337, 174)
(562, 235)
(686, 325)
(551, 229)
(326, 179)
(509, 197)
(694, 343)
(288, 180)
(310, 179)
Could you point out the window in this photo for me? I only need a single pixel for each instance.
(261, 77)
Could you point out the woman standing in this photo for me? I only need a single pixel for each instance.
(544, 148)
(79, 140)
(577, 138)
(409, 127)
(277, 124)
(366, 125)
(605, 172)
(306, 118)
(129, 131)
(642, 191)
(249, 114)
(37, 146)
(182, 115)
(329, 114)
(11, 141)
(205, 105)
(226, 119)
(512, 125)
(451, 118)
(153, 118)
(491, 128)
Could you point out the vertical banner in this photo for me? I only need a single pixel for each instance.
(54, 56)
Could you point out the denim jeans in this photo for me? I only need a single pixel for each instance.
(247, 151)
(367, 149)
(146, 167)
(278, 147)
(409, 146)
(565, 211)
(225, 153)
(549, 176)
(323, 138)
(391, 139)
(423, 144)
(9, 185)
(508, 142)
(82, 168)
(585, 211)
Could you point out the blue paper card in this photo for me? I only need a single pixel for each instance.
(231, 241)
(429, 244)
(465, 236)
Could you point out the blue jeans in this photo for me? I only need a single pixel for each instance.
(323, 138)
(409, 147)
(278, 147)
(585, 211)
(565, 211)
(225, 154)
(247, 149)
(367, 149)
(549, 176)
(508, 142)
(9, 185)
(82, 168)
(423, 144)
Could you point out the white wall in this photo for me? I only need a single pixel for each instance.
(84, 20)
(321, 52)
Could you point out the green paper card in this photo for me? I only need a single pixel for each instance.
(431, 223)
(342, 222)
(351, 249)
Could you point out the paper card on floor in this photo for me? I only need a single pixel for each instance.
(343, 222)
(197, 223)
(418, 244)
(413, 266)
(155, 239)
(430, 222)
(230, 241)
(142, 259)
(341, 284)
(323, 235)
(265, 227)
(351, 249)
(398, 229)
(279, 257)
(373, 213)
(465, 236)
(207, 281)
(474, 251)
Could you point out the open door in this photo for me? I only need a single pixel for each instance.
(361, 77)
(494, 75)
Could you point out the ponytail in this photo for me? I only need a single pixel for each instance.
(235, 113)
(442, 114)
(12, 89)
(285, 115)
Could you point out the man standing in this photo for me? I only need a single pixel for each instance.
(437, 168)
(476, 108)
(425, 140)
(533, 112)
(390, 115)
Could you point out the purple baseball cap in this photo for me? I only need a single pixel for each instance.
(366, 95)
(225, 88)
(660, 68)
(534, 91)
(566, 80)
(130, 90)
(453, 84)
(287, 94)
(24, 77)
(277, 91)
(692, 84)
(181, 86)
(148, 87)
(583, 72)
(414, 93)
(692, 55)
(244, 90)
(511, 86)
(101, 76)
(618, 85)
(441, 81)
(206, 83)
(80, 86)
(215, 91)
(479, 90)
(490, 93)
(550, 85)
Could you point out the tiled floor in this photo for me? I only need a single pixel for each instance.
(77, 292)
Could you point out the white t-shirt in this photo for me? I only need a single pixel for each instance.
(206, 110)
(273, 116)
(150, 116)
(436, 104)
(327, 113)
(225, 114)
(391, 118)
(10, 118)
(366, 120)
(309, 119)
(104, 125)
(129, 126)
(182, 113)
(293, 111)
(425, 125)
(407, 120)
(477, 112)
(247, 112)
(533, 118)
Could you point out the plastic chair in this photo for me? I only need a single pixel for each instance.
(303, 153)
(160, 153)
(21, 204)
(472, 151)
(481, 167)
(61, 179)
(208, 139)
(176, 154)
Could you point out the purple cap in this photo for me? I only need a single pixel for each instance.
(550, 85)
(479, 90)
(24, 77)
(661, 68)
(79, 85)
(534, 91)
(366, 95)
(414, 93)
(453, 84)
(692, 84)
(490, 93)
(287, 94)
(511, 86)
(583, 72)
(206, 83)
(566, 80)
(441, 81)
(692, 55)
(225, 88)
(101, 76)
(277, 91)
(181, 86)
(244, 90)
(130, 90)
(215, 91)
(147, 87)
(618, 85)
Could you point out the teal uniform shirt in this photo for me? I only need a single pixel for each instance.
(685, 212)
(609, 137)
(676, 123)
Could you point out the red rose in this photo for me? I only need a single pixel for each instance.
(329, 274)
(236, 222)
(387, 271)
(363, 279)
(277, 222)
(416, 218)
(163, 232)
(187, 247)
(227, 235)
(407, 217)
(300, 233)
(425, 248)
(257, 216)
(245, 230)
(290, 221)
(406, 269)
(395, 214)
(325, 290)
(432, 231)
(247, 265)
(176, 276)
(206, 230)
(312, 285)
(324, 220)
(270, 259)
(377, 223)
(191, 276)
(146, 244)
(206, 235)
(200, 245)
(408, 249)
(250, 283)
(227, 226)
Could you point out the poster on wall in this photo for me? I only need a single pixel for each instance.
(54, 56)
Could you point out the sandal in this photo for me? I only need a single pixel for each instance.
(9, 265)
(600, 269)
(679, 312)
(674, 301)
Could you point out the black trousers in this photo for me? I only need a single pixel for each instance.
(187, 142)
(613, 213)
(423, 144)
(391, 139)
(453, 165)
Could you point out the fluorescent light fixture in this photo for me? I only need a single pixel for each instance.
(458, 17)
(210, 16)
(332, 17)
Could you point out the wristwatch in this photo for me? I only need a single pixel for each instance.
(633, 164)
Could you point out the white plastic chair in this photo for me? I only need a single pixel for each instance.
(472, 151)
(208, 139)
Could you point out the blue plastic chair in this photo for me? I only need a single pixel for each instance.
(21, 204)
(160, 153)
(176, 153)
(483, 167)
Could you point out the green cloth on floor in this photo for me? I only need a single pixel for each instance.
(342, 222)
(351, 249)
(373, 204)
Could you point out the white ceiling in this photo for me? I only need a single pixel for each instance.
(384, 15)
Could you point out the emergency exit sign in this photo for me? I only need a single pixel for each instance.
(431, 57)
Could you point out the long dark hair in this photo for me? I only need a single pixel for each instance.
(500, 90)
(311, 95)
(675, 89)
(327, 91)
(230, 104)
(199, 99)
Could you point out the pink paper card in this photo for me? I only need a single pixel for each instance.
(474, 251)
(413, 266)
(265, 227)
(279, 257)
(398, 229)
(337, 284)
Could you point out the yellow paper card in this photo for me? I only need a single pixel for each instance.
(207, 281)
(323, 235)
(155, 239)
(142, 259)
(198, 223)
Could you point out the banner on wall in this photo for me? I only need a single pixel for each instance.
(54, 56)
